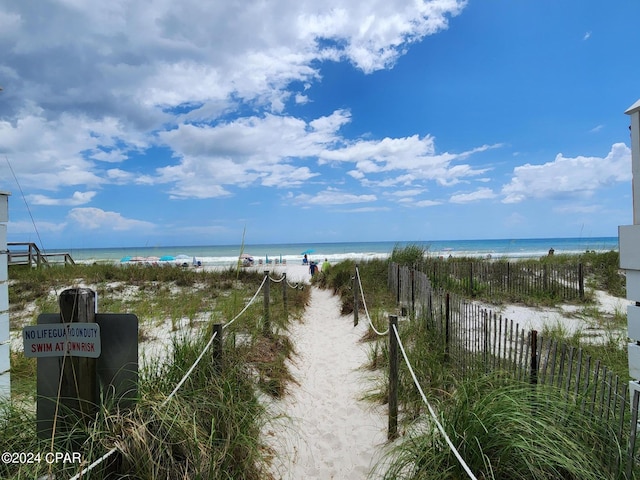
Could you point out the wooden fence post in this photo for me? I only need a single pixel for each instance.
(545, 278)
(217, 348)
(413, 290)
(356, 298)
(267, 319)
(471, 279)
(533, 371)
(447, 326)
(79, 381)
(392, 432)
(581, 281)
(398, 285)
(284, 294)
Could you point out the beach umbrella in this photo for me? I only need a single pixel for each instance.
(308, 251)
(167, 258)
(125, 259)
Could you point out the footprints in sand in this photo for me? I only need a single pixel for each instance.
(330, 432)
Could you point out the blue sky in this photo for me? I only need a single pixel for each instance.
(159, 123)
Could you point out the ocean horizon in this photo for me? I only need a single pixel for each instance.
(337, 251)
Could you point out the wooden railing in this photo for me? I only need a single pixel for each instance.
(28, 253)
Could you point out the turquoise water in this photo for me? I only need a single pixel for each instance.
(334, 252)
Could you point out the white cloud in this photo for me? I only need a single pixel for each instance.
(414, 155)
(133, 70)
(23, 228)
(78, 198)
(407, 194)
(426, 203)
(569, 177)
(96, 218)
(331, 196)
(478, 195)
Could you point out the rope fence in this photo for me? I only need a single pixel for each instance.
(395, 341)
(185, 377)
(476, 341)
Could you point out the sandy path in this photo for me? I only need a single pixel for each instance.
(329, 432)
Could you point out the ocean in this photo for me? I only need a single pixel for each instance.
(292, 252)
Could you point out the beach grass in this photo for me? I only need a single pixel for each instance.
(210, 428)
(504, 430)
(489, 416)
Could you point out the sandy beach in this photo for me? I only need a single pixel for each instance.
(326, 430)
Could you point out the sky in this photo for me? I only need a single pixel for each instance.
(195, 122)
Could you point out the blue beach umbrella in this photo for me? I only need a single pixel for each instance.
(167, 258)
(125, 259)
(308, 251)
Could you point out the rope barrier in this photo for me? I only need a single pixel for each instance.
(431, 411)
(364, 303)
(415, 381)
(247, 305)
(180, 383)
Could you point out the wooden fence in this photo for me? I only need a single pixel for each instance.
(478, 339)
(489, 278)
(28, 253)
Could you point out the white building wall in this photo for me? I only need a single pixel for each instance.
(629, 241)
(4, 299)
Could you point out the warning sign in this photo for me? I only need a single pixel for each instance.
(58, 339)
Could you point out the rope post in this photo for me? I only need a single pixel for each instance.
(284, 294)
(267, 319)
(392, 432)
(79, 381)
(533, 372)
(217, 348)
(356, 298)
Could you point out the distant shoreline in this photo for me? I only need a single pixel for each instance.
(227, 255)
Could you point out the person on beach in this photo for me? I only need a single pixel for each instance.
(326, 265)
(305, 260)
(313, 268)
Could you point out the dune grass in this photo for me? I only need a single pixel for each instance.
(504, 429)
(211, 427)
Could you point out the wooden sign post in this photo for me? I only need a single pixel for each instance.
(84, 358)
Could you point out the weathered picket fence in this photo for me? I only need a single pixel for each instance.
(471, 277)
(476, 338)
